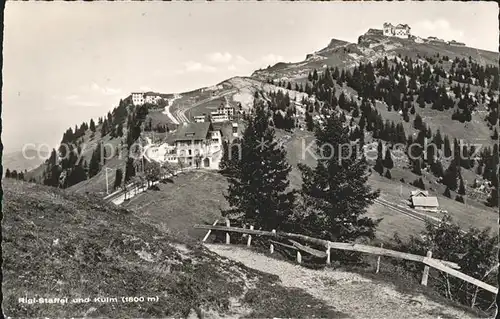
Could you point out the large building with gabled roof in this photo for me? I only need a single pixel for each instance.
(198, 145)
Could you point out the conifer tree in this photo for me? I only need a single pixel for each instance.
(447, 192)
(461, 188)
(104, 128)
(493, 199)
(417, 124)
(309, 122)
(258, 187)
(417, 167)
(129, 170)
(450, 175)
(95, 161)
(338, 188)
(92, 125)
(419, 183)
(447, 147)
(379, 166)
(230, 157)
(388, 163)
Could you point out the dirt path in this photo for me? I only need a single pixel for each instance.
(348, 292)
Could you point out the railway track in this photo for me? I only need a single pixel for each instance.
(411, 213)
(395, 208)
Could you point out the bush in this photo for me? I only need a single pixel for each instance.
(419, 183)
(459, 198)
(473, 250)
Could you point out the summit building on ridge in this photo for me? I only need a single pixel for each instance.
(400, 30)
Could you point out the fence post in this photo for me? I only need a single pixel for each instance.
(249, 240)
(228, 238)
(209, 231)
(425, 276)
(271, 247)
(328, 261)
(299, 257)
(378, 260)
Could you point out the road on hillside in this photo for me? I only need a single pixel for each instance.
(180, 113)
(119, 197)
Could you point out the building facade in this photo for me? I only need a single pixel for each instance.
(138, 98)
(224, 113)
(217, 117)
(152, 98)
(401, 30)
(198, 145)
(199, 118)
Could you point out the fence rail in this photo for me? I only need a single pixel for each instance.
(429, 262)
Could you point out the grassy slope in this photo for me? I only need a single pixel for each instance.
(58, 244)
(191, 198)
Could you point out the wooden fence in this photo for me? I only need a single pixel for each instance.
(428, 261)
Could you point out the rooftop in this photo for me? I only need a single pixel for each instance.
(419, 193)
(193, 131)
(425, 201)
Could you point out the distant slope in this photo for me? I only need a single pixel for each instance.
(58, 245)
(20, 161)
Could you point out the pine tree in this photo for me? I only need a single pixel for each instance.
(119, 130)
(118, 178)
(419, 183)
(447, 192)
(7, 173)
(388, 163)
(95, 165)
(447, 147)
(129, 170)
(52, 171)
(461, 188)
(315, 75)
(493, 199)
(258, 188)
(438, 139)
(92, 125)
(104, 128)
(450, 175)
(338, 188)
(417, 167)
(495, 135)
(417, 123)
(379, 166)
(230, 157)
(309, 122)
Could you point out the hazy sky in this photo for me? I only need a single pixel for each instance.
(67, 62)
